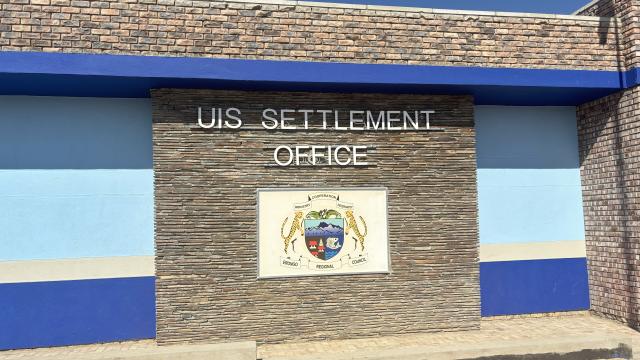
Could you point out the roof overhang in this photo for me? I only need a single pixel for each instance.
(101, 75)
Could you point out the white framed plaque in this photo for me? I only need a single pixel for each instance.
(308, 232)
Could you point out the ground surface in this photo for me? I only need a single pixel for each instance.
(493, 331)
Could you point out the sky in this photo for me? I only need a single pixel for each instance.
(533, 6)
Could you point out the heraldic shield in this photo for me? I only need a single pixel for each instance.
(324, 237)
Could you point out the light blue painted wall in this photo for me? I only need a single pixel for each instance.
(528, 174)
(76, 178)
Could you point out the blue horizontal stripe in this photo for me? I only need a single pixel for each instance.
(76, 227)
(529, 205)
(630, 78)
(295, 71)
(527, 137)
(75, 133)
(534, 286)
(130, 87)
(63, 313)
(34, 73)
(62, 214)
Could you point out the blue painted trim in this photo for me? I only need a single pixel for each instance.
(631, 78)
(60, 313)
(35, 73)
(122, 87)
(295, 71)
(534, 286)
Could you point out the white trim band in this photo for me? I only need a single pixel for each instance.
(76, 269)
(419, 9)
(585, 7)
(533, 251)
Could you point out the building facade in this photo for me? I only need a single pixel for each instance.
(127, 213)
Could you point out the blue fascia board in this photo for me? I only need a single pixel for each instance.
(295, 71)
(630, 78)
(75, 74)
(129, 87)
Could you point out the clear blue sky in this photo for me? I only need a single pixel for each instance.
(537, 6)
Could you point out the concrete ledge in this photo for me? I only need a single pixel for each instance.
(340, 5)
(585, 7)
(543, 250)
(76, 269)
(223, 351)
(332, 5)
(582, 348)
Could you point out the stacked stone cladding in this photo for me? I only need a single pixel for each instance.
(206, 210)
(307, 32)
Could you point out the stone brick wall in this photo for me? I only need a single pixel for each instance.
(601, 8)
(628, 26)
(304, 32)
(205, 201)
(609, 129)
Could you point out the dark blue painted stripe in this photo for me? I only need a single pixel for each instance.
(74, 85)
(59, 313)
(534, 286)
(295, 71)
(64, 74)
(631, 78)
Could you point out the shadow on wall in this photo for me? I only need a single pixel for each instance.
(74, 133)
(608, 24)
(593, 120)
(605, 9)
(526, 137)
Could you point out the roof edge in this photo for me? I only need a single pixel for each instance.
(421, 9)
(585, 7)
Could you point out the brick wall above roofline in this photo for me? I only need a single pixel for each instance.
(305, 31)
(594, 8)
(575, 16)
(628, 14)
(607, 130)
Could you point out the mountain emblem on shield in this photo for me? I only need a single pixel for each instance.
(324, 237)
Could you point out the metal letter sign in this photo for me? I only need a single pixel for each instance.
(331, 120)
(304, 232)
